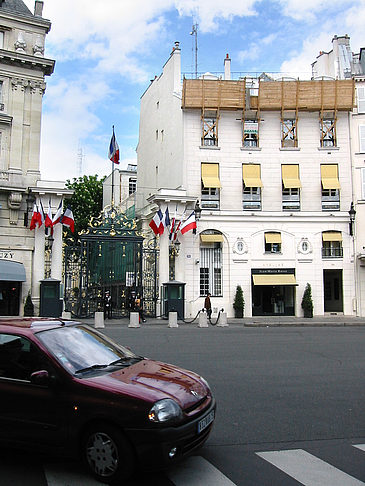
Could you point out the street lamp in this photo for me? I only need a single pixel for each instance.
(352, 214)
(30, 203)
(198, 213)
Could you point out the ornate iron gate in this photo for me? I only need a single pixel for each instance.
(112, 256)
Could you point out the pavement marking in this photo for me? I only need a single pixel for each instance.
(58, 475)
(308, 469)
(197, 471)
(360, 446)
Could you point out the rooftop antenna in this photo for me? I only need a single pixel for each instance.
(194, 33)
(80, 157)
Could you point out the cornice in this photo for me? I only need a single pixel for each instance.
(25, 60)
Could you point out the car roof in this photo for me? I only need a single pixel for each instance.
(34, 322)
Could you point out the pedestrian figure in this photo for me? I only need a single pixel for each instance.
(139, 307)
(208, 305)
(107, 305)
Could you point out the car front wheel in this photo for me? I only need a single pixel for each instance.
(107, 454)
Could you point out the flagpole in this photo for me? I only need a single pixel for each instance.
(112, 201)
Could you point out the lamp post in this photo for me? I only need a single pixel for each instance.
(29, 211)
(198, 213)
(352, 214)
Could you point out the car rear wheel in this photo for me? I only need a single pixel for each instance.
(107, 454)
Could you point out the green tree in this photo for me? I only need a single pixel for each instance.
(87, 200)
(239, 302)
(307, 302)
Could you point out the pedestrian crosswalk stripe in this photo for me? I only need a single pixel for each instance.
(196, 471)
(57, 475)
(307, 469)
(360, 446)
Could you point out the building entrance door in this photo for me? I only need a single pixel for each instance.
(9, 298)
(333, 294)
(271, 300)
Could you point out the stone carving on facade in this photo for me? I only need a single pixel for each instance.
(20, 45)
(14, 202)
(38, 48)
(304, 247)
(240, 247)
(24, 83)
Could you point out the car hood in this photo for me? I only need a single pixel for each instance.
(153, 380)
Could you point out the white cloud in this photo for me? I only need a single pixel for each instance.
(309, 9)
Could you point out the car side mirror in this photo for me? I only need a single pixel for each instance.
(40, 378)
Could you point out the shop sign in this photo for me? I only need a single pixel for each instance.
(6, 255)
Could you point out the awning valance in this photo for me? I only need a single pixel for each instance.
(290, 175)
(332, 236)
(273, 238)
(210, 175)
(274, 279)
(12, 271)
(211, 238)
(251, 175)
(329, 176)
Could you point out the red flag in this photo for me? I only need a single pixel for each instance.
(36, 218)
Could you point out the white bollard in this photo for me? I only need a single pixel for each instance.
(222, 320)
(99, 320)
(134, 320)
(203, 321)
(173, 319)
(66, 315)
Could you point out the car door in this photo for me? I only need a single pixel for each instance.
(30, 413)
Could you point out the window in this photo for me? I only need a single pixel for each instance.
(332, 244)
(132, 185)
(363, 183)
(272, 242)
(290, 187)
(209, 128)
(362, 138)
(360, 99)
(328, 132)
(289, 132)
(250, 133)
(211, 269)
(210, 186)
(330, 187)
(18, 358)
(251, 186)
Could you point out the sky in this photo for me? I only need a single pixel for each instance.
(107, 51)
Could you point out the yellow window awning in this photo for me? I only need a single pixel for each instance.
(251, 175)
(332, 236)
(274, 279)
(211, 238)
(273, 238)
(290, 175)
(329, 176)
(210, 175)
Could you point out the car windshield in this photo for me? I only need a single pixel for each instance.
(80, 349)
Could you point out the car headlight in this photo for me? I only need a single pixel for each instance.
(166, 410)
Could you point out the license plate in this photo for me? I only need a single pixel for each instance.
(204, 422)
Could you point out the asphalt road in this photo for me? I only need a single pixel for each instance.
(299, 390)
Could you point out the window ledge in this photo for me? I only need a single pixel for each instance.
(251, 149)
(359, 153)
(211, 147)
(288, 149)
(328, 149)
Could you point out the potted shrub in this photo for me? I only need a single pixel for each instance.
(307, 302)
(28, 307)
(239, 302)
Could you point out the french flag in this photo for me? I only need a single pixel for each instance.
(36, 218)
(189, 224)
(67, 219)
(48, 220)
(113, 150)
(57, 217)
(156, 223)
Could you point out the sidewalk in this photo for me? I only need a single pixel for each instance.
(270, 321)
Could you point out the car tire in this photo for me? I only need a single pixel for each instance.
(107, 453)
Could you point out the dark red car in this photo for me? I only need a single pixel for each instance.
(67, 388)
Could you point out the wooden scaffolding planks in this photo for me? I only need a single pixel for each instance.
(273, 95)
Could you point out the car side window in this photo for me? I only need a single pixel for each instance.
(19, 358)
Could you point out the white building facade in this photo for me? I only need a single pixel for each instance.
(25, 256)
(269, 163)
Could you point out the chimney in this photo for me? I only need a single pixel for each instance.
(38, 8)
(227, 67)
